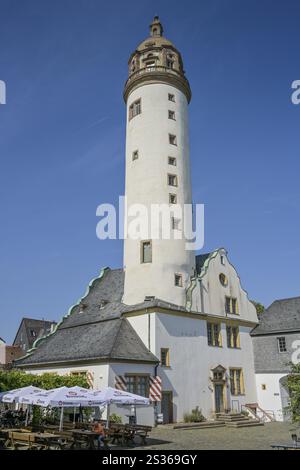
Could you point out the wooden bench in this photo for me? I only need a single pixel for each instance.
(23, 440)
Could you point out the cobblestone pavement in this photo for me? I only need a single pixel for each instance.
(254, 438)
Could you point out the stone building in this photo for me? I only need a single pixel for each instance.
(276, 343)
(30, 330)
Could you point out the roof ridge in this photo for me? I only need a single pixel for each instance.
(284, 299)
(117, 335)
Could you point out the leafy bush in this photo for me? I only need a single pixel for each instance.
(12, 379)
(293, 383)
(195, 416)
(114, 418)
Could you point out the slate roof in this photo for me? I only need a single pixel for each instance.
(281, 316)
(94, 329)
(24, 337)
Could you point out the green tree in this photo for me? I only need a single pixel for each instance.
(259, 307)
(293, 381)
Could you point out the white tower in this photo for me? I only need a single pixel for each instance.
(157, 166)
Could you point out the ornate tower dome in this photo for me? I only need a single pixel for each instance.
(156, 60)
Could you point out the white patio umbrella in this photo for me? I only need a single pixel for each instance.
(17, 394)
(64, 397)
(111, 395)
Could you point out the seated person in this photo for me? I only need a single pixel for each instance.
(99, 428)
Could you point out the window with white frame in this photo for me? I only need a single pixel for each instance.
(172, 199)
(146, 251)
(178, 280)
(172, 180)
(171, 115)
(172, 139)
(172, 161)
(135, 108)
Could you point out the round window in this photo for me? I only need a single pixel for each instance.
(223, 279)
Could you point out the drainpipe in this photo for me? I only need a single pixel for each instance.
(201, 296)
(155, 403)
(149, 332)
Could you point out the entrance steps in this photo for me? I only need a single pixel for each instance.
(203, 425)
(237, 420)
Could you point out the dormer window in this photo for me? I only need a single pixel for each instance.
(103, 302)
(82, 307)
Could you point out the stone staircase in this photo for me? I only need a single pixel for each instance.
(237, 420)
(204, 425)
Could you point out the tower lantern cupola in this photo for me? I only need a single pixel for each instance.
(156, 29)
(156, 60)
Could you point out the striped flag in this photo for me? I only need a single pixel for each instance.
(155, 388)
(120, 383)
(90, 379)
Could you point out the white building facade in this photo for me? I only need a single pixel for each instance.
(169, 317)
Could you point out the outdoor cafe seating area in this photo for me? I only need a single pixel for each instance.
(67, 419)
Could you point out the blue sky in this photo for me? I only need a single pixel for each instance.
(62, 138)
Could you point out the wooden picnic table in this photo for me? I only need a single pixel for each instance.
(82, 436)
(125, 433)
(49, 440)
(120, 433)
(33, 440)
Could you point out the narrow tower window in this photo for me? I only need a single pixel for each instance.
(135, 109)
(135, 155)
(178, 280)
(172, 180)
(172, 199)
(172, 115)
(171, 97)
(172, 161)
(146, 252)
(172, 139)
(175, 223)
